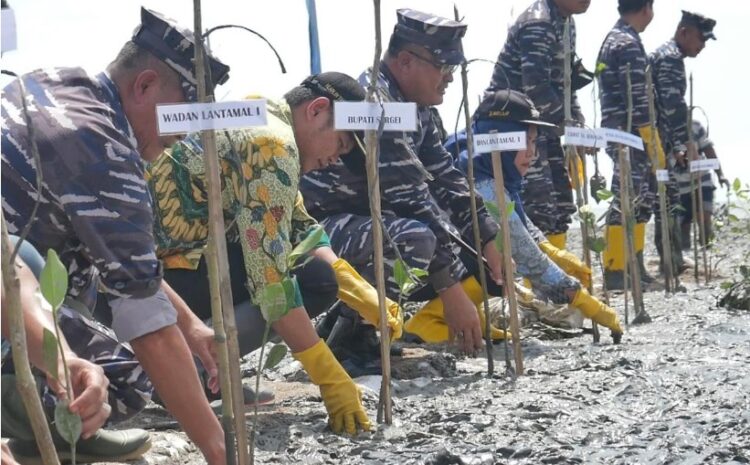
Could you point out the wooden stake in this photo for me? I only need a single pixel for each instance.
(24, 378)
(510, 295)
(571, 155)
(475, 218)
(626, 192)
(373, 182)
(693, 151)
(222, 308)
(666, 244)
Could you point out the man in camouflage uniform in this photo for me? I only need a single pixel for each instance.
(94, 210)
(622, 48)
(417, 180)
(670, 82)
(532, 61)
(706, 150)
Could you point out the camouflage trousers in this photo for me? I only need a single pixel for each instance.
(129, 387)
(351, 239)
(643, 196)
(547, 194)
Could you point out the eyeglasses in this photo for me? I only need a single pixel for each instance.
(444, 69)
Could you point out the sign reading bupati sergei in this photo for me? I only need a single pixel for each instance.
(363, 116)
(191, 117)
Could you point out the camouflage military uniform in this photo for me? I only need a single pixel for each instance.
(129, 388)
(417, 180)
(532, 61)
(94, 208)
(621, 47)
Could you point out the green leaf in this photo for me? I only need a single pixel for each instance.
(273, 304)
(604, 194)
(600, 67)
(499, 241)
(306, 245)
(54, 280)
(401, 276)
(732, 217)
(49, 352)
(727, 284)
(275, 355)
(419, 272)
(597, 245)
(736, 185)
(510, 208)
(493, 209)
(68, 424)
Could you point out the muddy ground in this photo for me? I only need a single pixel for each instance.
(677, 390)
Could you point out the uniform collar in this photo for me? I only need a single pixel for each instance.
(112, 95)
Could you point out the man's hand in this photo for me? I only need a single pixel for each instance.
(495, 261)
(7, 457)
(462, 319)
(723, 181)
(680, 158)
(200, 339)
(90, 390)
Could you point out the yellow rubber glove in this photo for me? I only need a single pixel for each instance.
(569, 263)
(655, 153)
(358, 294)
(341, 396)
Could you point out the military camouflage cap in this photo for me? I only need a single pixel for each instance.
(509, 105)
(441, 36)
(704, 25)
(175, 46)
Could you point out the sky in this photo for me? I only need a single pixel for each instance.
(89, 33)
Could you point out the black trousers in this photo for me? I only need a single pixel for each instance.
(316, 279)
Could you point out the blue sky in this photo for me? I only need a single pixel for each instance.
(89, 33)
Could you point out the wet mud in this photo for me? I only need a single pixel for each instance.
(675, 391)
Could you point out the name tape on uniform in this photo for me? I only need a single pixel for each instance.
(662, 175)
(621, 137)
(499, 142)
(191, 117)
(707, 164)
(363, 116)
(584, 137)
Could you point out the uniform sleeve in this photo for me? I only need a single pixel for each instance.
(102, 190)
(670, 85)
(632, 53)
(536, 41)
(451, 188)
(303, 224)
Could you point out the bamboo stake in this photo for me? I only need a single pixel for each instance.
(571, 155)
(510, 295)
(699, 175)
(222, 308)
(373, 181)
(24, 378)
(626, 213)
(666, 245)
(475, 218)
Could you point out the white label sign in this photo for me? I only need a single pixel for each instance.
(191, 117)
(662, 175)
(363, 116)
(499, 142)
(584, 137)
(621, 137)
(707, 164)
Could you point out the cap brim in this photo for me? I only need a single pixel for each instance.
(709, 35)
(537, 122)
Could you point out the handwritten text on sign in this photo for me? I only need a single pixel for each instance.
(707, 164)
(499, 142)
(583, 137)
(191, 117)
(363, 116)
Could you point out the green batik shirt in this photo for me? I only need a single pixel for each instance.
(263, 209)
